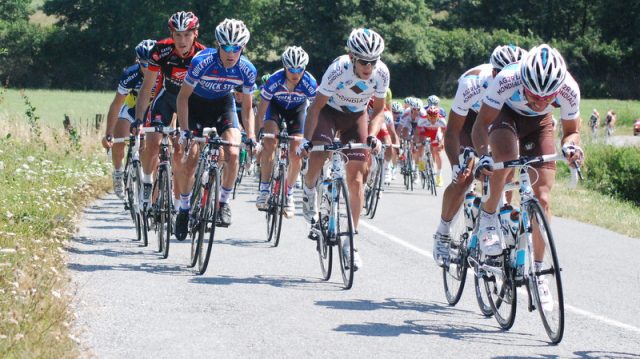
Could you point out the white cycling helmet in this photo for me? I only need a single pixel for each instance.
(396, 107)
(407, 100)
(183, 21)
(294, 57)
(504, 55)
(232, 32)
(365, 44)
(433, 100)
(143, 49)
(543, 70)
(416, 103)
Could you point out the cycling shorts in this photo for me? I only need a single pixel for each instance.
(432, 134)
(127, 113)
(219, 113)
(535, 133)
(162, 109)
(350, 127)
(294, 118)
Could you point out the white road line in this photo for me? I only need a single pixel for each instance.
(426, 253)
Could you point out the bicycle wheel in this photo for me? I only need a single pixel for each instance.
(238, 180)
(375, 192)
(196, 218)
(500, 285)
(132, 198)
(209, 220)
(431, 175)
(272, 208)
(551, 311)
(454, 273)
(344, 232)
(164, 213)
(280, 198)
(324, 246)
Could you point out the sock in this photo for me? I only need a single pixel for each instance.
(387, 165)
(118, 170)
(176, 203)
(264, 186)
(147, 178)
(487, 218)
(537, 266)
(290, 190)
(444, 227)
(225, 194)
(184, 201)
(308, 191)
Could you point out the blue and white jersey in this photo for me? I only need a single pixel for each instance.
(131, 80)
(212, 80)
(275, 89)
(349, 93)
(507, 88)
(472, 86)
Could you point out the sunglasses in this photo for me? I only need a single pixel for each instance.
(531, 96)
(231, 48)
(295, 71)
(367, 62)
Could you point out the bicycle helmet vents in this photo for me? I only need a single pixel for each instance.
(543, 70)
(143, 49)
(396, 107)
(504, 55)
(232, 32)
(365, 44)
(183, 21)
(433, 100)
(416, 104)
(294, 57)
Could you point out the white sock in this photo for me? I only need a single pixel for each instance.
(147, 178)
(487, 218)
(290, 190)
(308, 191)
(264, 186)
(444, 227)
(184, 201)
(225, 194)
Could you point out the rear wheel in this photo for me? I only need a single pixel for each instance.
(500, 286)
(375, 191)
(551, 305)
(479, 279)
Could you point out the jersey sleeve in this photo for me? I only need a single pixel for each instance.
(500, 89)
(383, 79)
(311, 86)
(330, 79)
(269, 88)
(129, 79)
(569, 99)
(153, 64)
(249, 74)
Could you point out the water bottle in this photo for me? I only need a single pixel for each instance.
(520, 258)
(469, 198)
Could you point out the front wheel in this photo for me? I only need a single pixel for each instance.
(454, 273)
(209, 220)
(545, 279)
(344, 233)
(164, 215)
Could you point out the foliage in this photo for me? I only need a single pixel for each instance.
(614, 171)
(33, 120)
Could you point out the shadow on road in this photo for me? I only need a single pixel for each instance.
(300, 283)
(153, 268)
(589, 354)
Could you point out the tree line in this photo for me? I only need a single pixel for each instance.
(428, 43)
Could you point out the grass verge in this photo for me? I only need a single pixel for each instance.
(41, 193)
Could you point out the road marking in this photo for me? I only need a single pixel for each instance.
(426, 253)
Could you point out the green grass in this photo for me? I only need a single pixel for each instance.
(52, 105)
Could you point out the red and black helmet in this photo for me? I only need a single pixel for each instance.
(183, 21)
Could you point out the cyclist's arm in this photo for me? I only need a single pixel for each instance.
(480, 132)
(248, 119)
(452, 136)
(182, 105)
(571, 131)
(312, 114)
(262, 111)
(377, 118)
(392, 133)
(114, 110)
(144, 96)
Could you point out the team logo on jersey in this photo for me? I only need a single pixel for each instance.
(359, 87)
(178, 74)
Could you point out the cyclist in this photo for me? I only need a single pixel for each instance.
(515, 119)
(410, 118)
(340, 106)
(594, 121)
(285, 96)
(431, 128)
(434, 100)
(396, 111)
(205, 100)
(122, 111)
(611, 120)
(472, 86)
(171, 57)
(386, 135)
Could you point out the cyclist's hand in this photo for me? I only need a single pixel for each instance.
(484, 166)
(250, 142)
(185, 136)
(136, 127)
(107, 141)
(573, 154)
(304, 147)
(373, 142)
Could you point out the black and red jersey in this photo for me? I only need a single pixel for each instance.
(172, 66)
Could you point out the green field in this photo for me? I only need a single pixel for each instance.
(52, 105)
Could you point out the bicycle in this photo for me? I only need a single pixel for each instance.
(203, 216)
(427, 175)
(242, 161)
(163, 209)
(374, 186)
(516, 266)
(134, 187)
(278, 188)
(407, 166)
(335, 223)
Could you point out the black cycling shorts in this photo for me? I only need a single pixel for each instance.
(162, 109)
(219, 113)
(294, 118)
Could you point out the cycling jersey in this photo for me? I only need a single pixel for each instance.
(472, 86)
(431, 130)
(130, 83)
(349, 93)
(173, 67)
(213, 81)
(407, 122)
(507, 88)
(276, 90)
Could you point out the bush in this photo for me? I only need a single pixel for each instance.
(614, 171)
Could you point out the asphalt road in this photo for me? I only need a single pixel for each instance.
(259, 301)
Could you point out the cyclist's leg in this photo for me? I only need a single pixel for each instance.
(354, 128)
(162, 110)
(295, 126)
(324, 133)
(228, 127)
(117, 156)
(266, 161)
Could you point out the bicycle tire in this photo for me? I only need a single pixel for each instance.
(165, 208)
(431, 175)
(211, 212)
(280, 204)
(377, 188)
(344, 232)
(196, 215)
(324, 247)
(271, 215)
(553, 321)
(454, 273)
(238, 180)
(502, 293)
